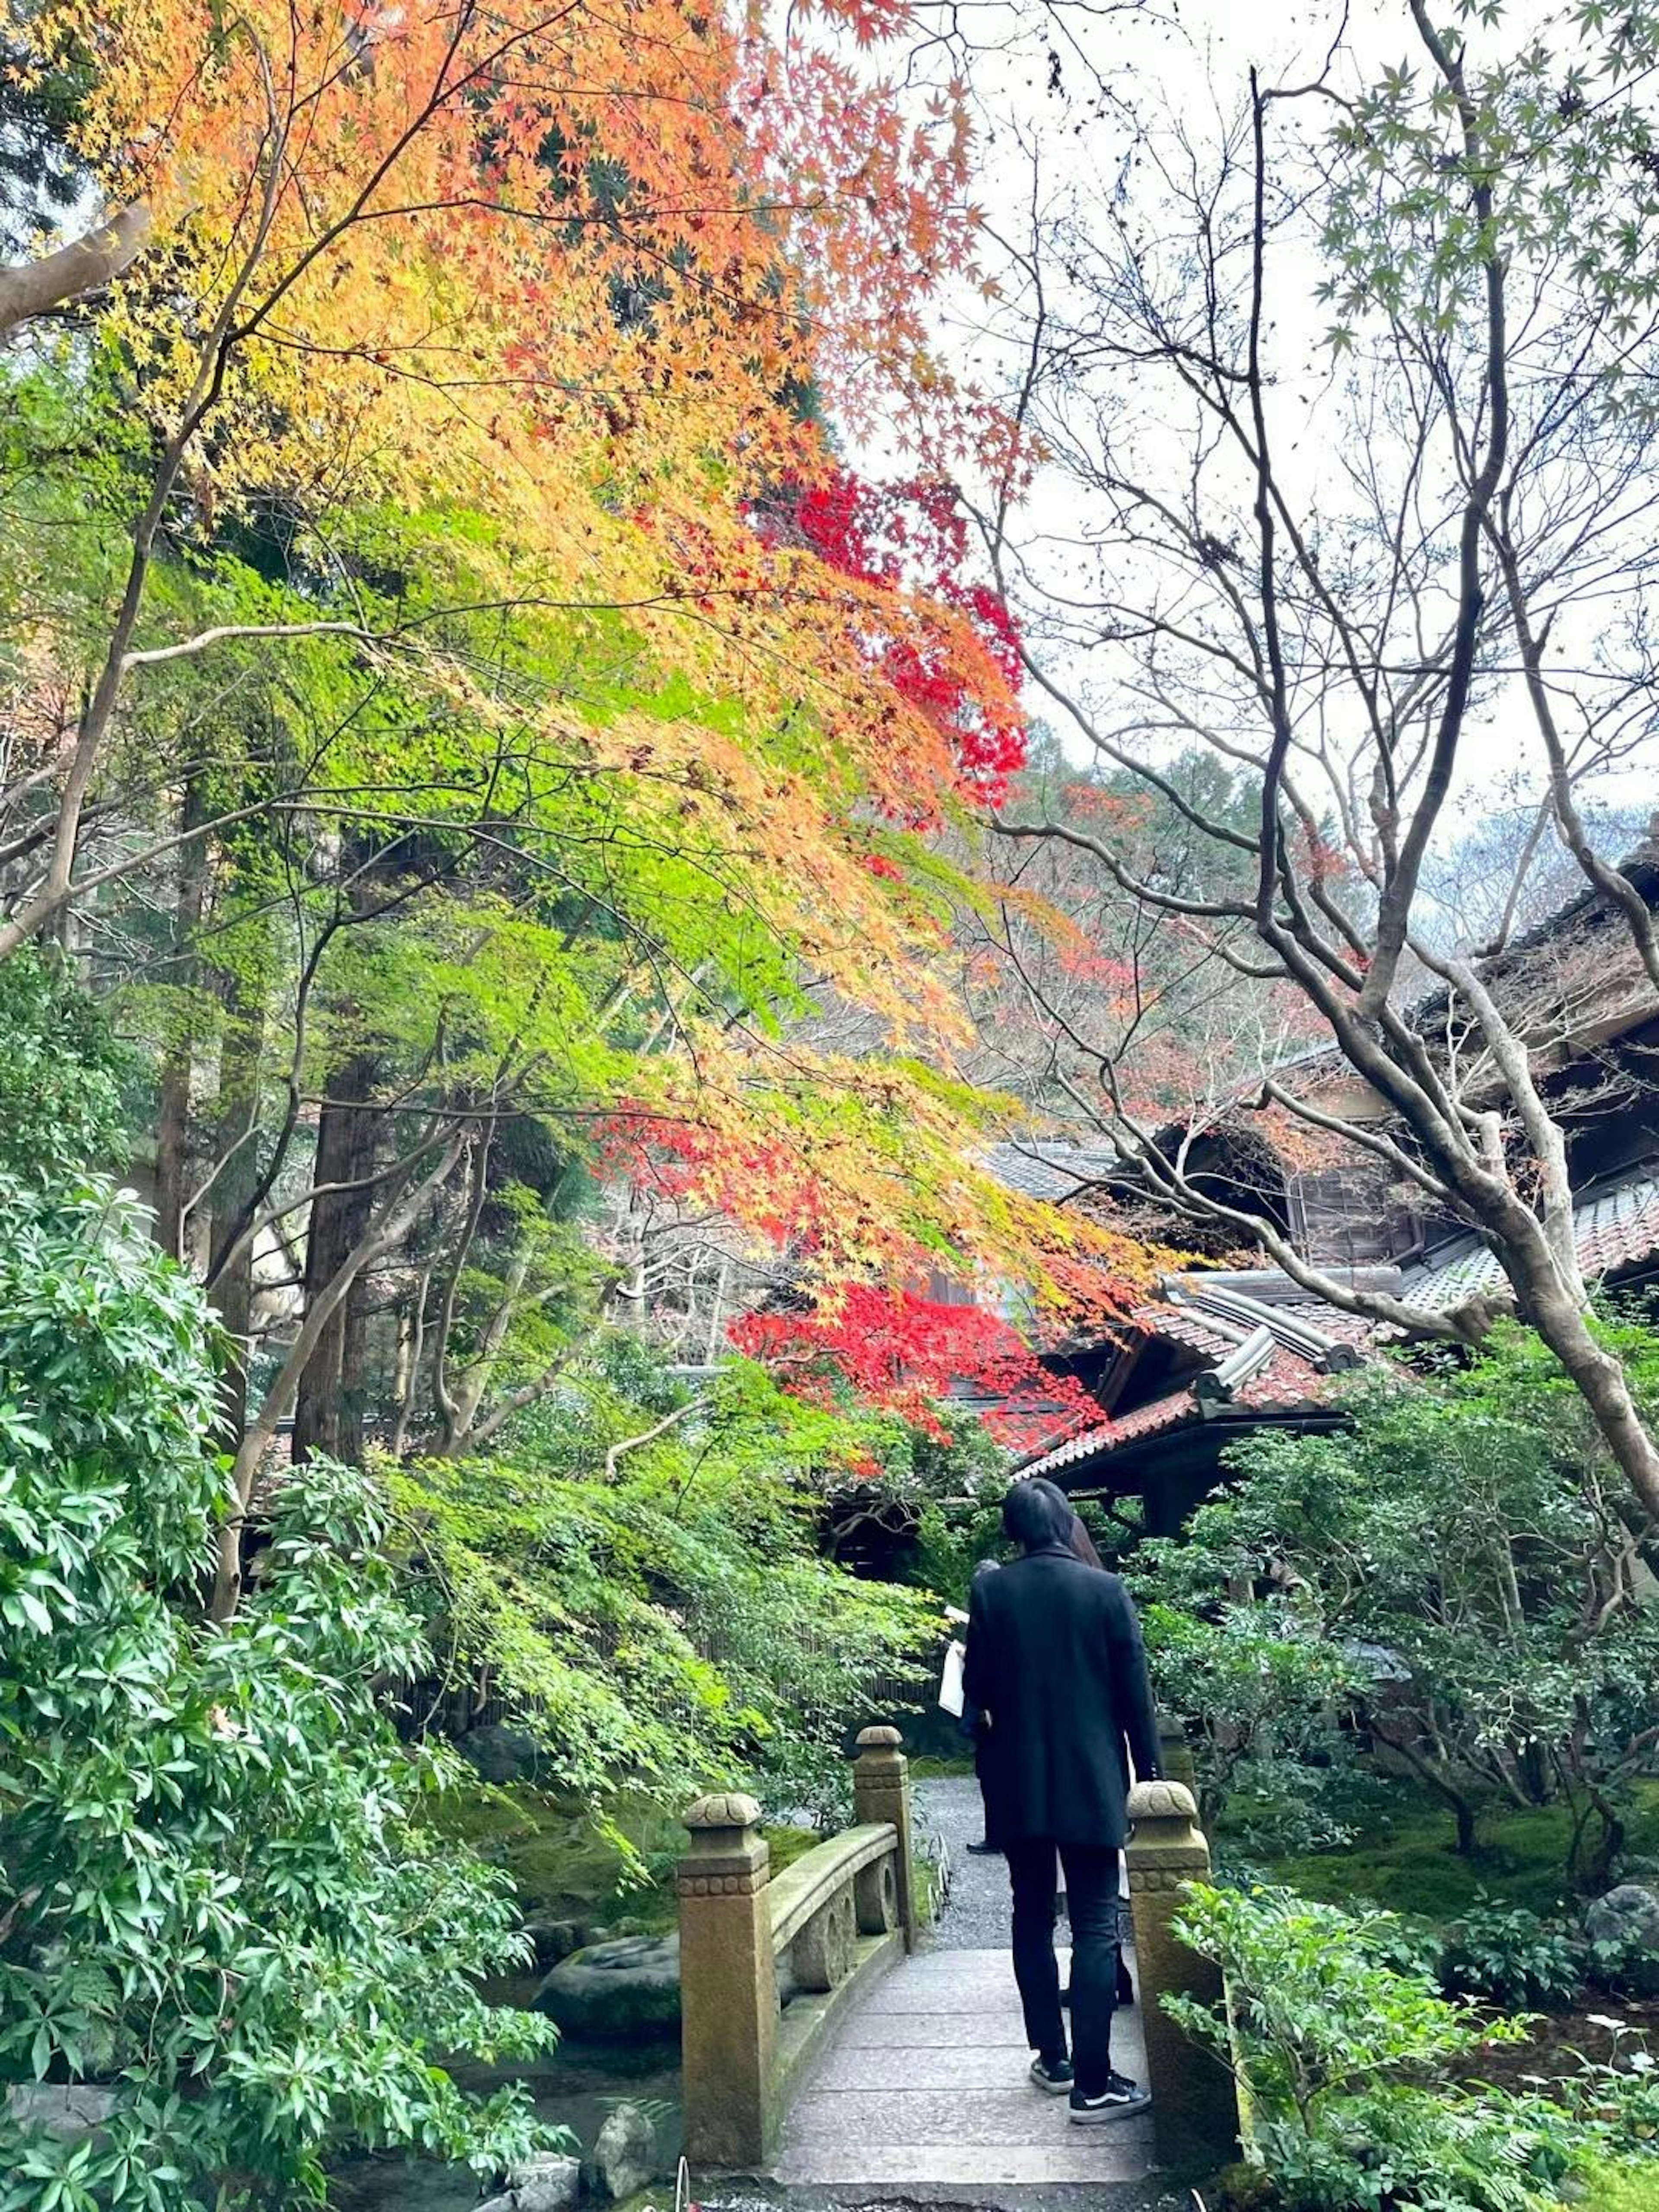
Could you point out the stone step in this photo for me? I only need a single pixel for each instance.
(919, 2167)
(891, 2031)
(976, 2065)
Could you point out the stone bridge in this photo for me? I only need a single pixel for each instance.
(827, 2044)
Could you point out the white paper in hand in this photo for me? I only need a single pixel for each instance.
(950, 1695)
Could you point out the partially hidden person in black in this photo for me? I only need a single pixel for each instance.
(1054, 1658)
(976, 1727)
(1083, 1544)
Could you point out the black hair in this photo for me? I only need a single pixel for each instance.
(1035, 1516)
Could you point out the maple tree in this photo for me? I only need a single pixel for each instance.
(903, 1351)
(544, 720)
(553, 269)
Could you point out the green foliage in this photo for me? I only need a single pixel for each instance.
(61, 1074)
(1542, 159)
(220, 1896)
(1256, 1694)
(1403, 1857)
(1344, 2042)
(671, 1627)
(563, 1865)
(1321, 2002)
(1456, 1564)
(1508, 1954)
(936, 1499)
(1619, 2188)
(1623, 1962)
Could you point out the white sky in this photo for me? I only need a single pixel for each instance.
(1197, 61)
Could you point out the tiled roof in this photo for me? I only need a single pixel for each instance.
(1172, 1411)
(1057, 1170)
(1619, 1227)
(1614, 1230)
(1285, 1383)
(1182, 1324)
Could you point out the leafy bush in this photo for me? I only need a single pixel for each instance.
(1437, 1553)
(1620, 2188)
(671, 1629)
(1507, 1954)
(1322, 2003)
(1624, 1963)
(217, 1896)
(61, 1074)
(1257, 1696)
(1342, 2042)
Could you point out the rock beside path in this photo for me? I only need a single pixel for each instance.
(624, 2159)
(548, 2182)
(1624, 1925)
(500, 1755)
(615, 1992)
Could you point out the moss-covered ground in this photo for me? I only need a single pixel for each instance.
(1404, 1857)
(615, 1874)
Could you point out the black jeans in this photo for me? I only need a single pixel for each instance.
(1091, 1884)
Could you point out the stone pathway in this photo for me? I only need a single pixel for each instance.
(925, 2087)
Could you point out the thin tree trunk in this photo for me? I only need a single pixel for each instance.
(327, 1413)
(173, 1114)
(1601, 1380)
(230, 1257)
(394, 1224)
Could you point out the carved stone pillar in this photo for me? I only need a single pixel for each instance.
(728, 1985)
(1175, 1755)
(1194, 2105)
(881, 1792)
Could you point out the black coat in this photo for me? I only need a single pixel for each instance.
(1055, 1657)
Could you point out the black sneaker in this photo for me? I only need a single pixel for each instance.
(1054, 2076)
(987, 1851)
(1116, 2101)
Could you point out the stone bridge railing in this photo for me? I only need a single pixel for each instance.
(1195, 2105)
(764, 1964)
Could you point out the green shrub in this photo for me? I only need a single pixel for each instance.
(1343, 2041)
(61, 1074)
(1322, 2002)
(671, 1630)
(1620, 2188)
(218, 1896)
(1430, 1560)
(1507, 1954)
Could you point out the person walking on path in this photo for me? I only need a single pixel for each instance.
(1054, 1658)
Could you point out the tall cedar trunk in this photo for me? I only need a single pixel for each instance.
(328, 1412)
(236, 1108)
(173, 1116)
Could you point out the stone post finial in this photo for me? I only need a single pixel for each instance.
(722, 1808)
(1194, 2103)
(728, 1983)
(1167, 1806)
(881, 1796)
